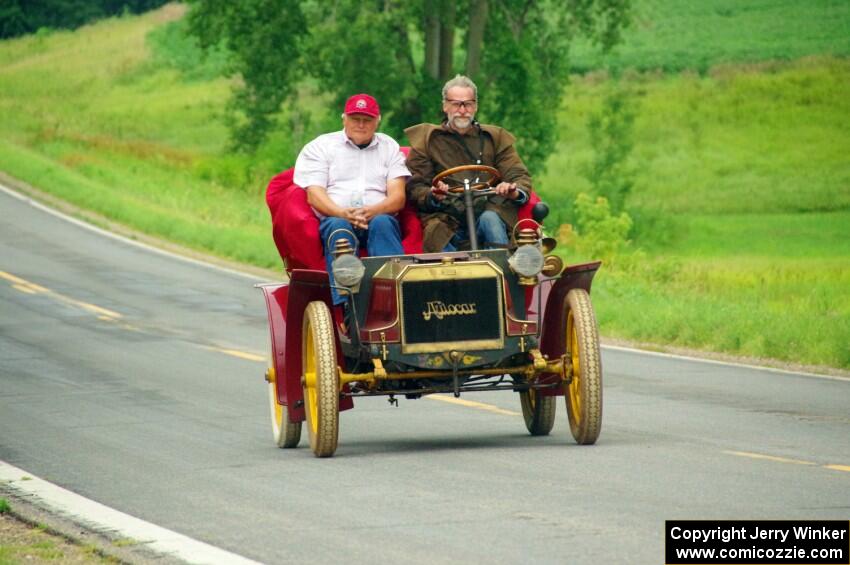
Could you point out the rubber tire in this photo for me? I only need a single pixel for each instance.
(584, 394)
(538, 412)
(321, 399)
(286, 434)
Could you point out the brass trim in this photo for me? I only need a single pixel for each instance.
(454, 271)
(439, 346)
(370, 331)
(384, 351)
(552, 266)
(524, 322)
(539, 361)
(530, 371)
(390, 269)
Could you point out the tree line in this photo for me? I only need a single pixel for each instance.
(20, 17)
(402, 52)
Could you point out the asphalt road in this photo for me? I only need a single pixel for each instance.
(135, 379)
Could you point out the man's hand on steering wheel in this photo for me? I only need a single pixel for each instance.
(508, 190)
(440, 191)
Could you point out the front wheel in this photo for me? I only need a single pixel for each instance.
(321, 383)
(584, 393)
(538, 412)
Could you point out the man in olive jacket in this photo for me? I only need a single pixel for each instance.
(460, 140)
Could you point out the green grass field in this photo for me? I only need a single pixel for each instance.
(673, 36)
(742, 206)
(741, 194)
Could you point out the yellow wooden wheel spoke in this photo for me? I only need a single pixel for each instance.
(575, 384)
(310, 377)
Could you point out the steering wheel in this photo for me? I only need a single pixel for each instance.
(480, 187)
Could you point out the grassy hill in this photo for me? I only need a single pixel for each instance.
(672, 36)
(741, 199)
(741, 194)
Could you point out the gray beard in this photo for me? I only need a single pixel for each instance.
(458, 122)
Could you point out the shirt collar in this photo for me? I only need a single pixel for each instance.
(345, 139)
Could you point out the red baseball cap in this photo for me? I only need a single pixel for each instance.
(362, 104)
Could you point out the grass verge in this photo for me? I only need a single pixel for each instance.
(22, 542)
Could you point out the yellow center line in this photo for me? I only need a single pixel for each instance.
(845, 468)
(24, 288)
(28, 287)
(769, 457)
(12, 278)
(236, 353)
(473, 404)
(104, 314)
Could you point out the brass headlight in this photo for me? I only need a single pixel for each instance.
(348, 271)
(527, 261)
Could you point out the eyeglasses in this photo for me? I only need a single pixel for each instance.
(458, 104)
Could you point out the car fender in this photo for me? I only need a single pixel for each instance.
(285, 306)
(554, 324)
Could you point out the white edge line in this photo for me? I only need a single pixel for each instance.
(127, 240)
(36, 204)
(726, 363)
(102, 517)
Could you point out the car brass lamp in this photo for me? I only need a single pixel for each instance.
(342, 247)
(348, 269)
(527, 260)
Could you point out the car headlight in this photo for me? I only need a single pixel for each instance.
(348, 270)
(526, 261)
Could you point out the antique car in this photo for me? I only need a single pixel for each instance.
(454, 322)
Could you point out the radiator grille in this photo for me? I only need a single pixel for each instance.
(441, 314)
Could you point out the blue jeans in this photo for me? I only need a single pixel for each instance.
(491, 231)
(382, 238)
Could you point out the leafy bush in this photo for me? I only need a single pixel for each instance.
(610, 129)
(600, 233)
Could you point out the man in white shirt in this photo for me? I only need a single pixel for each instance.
(355, 180)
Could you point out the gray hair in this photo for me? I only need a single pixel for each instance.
(463, 82)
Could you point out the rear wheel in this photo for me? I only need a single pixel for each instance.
(584, 393)
(321, 383)
(538, 412)
(286, 434)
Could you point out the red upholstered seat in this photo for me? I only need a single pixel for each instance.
(295, 227)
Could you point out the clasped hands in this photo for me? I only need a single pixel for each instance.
(359, 217)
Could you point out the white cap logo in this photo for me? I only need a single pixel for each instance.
(360, 104)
